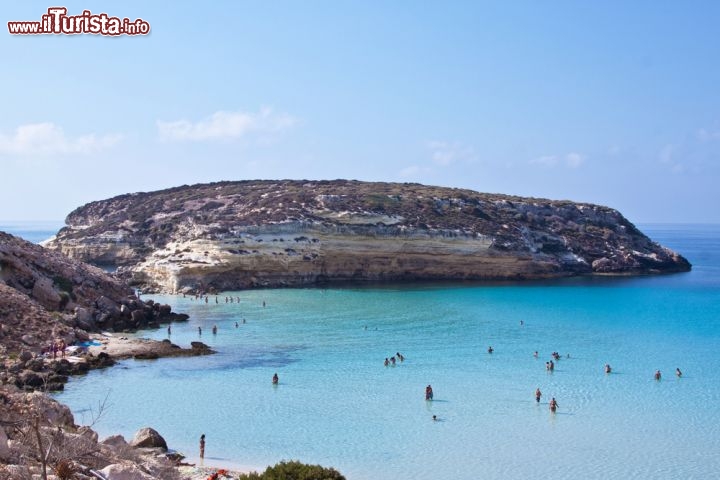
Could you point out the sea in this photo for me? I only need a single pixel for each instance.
(337, 404)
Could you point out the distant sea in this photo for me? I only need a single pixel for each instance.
(35, 232)
(337, 405)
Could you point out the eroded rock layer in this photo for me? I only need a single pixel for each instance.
(274, 233)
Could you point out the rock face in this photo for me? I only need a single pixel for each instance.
(274, 233)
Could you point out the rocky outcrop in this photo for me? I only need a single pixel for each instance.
(35, 428)
(47, 298)
(273, 233)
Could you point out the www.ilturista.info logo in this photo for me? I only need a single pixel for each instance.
(58, 22)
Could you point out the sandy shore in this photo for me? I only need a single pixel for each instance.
(201, 470)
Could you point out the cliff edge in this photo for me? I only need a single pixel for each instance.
(231, 235)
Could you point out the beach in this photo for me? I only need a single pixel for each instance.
(337, 405)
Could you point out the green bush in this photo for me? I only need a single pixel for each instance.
(294, 471)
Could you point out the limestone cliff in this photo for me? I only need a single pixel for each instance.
(273, 233)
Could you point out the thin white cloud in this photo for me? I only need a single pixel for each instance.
(447, 153)
(50, 139)
(569, 160)
(226, 125)
(706, 135)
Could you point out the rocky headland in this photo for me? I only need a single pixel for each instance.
(232, 235)
(45, 299)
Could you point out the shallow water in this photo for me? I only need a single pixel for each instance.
(337, 404)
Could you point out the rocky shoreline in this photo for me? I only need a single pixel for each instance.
(55, 313)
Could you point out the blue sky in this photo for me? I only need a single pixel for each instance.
(616, 103)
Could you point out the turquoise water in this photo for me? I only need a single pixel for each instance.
(337, 404)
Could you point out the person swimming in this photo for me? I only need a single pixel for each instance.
(608, 369)
(387, 362)
(490, 349)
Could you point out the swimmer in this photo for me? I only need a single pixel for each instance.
(214, 330)
(392, 360)
(535, 354)
(538, 394)
(435, 418)
(608, 369)
(553, 405)
(658, 375)
(678, 372)
(237, 324)
(490, 349)
(387, 362)
(275, 379)
(399, 355)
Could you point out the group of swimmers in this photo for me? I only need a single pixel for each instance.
(392, 360)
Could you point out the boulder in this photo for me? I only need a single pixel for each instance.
(28, 378)
(84, 318)
(25, 356)
(106, 305)
(119, 471)
(115, 441)
(138, 317)
(4, 447)
(148, 438)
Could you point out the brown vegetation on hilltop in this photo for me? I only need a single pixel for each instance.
(210, 236)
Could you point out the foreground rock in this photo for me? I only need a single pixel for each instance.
(38, 434)
(272, 233)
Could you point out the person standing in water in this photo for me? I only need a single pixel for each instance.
(678, 372)
(608, 369)
(202, 446)
(275, 379)
(658, 375)
(553, 405)
(428, 393)
(538, 394)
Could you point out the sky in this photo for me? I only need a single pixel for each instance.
(613, 102)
